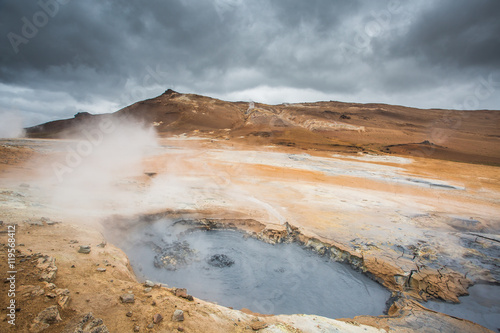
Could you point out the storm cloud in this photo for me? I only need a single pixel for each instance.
(60, 57)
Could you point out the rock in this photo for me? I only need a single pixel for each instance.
(178, 315)
(49, 269)
(84, 249)
(151, 325)
(129, 314)
(182, 292)
(50, 286)
(101, 269)
(73, 241)
(63, 301)
(31, 222)
(147, 290)
(157, 318)
(137, 328)
(127, 298)
(30, 291)
(258, 325)
(86, 323)
(149, 284)
(51, 295)
(180, 329)
(45, 318)
(48, 221)
(62, 292)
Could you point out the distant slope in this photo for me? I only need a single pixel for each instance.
(468, 136)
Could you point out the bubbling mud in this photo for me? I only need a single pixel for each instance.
(234, 270)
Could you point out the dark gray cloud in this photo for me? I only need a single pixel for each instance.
(58, 57)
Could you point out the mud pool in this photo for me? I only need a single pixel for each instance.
(230, 269)
(482, 306)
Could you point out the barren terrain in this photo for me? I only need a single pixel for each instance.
(407, 197)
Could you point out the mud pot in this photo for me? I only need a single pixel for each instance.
(233, 269)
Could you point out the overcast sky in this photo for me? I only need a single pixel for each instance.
(60, 57)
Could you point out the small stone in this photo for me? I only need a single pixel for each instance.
(50, 286)
(182, 292)
(157, 318)
(149, 284)
(151, 325)
(147, 290)
(73, 241)
(180, 329)
(51, 295)
(86, 323)
(73, 266)
(62, 291)
(84, 249)
(63, 301)
(178, 315)
(127, 298)
(137, 328)
(101, 269)
(129, 314)
(256, 326)
(43, 320)
(154, 303)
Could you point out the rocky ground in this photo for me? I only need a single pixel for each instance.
(423, 228)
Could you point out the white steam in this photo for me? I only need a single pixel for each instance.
(11, 125)
(93, 175)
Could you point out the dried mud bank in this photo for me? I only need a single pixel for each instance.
(421, 285)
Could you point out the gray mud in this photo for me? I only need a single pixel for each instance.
(241, 272)
(482, 306)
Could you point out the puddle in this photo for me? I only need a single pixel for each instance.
(230, 269)
(482, 306)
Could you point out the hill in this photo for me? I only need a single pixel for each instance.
(464, 136)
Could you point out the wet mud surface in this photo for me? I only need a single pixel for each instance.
(238, 271)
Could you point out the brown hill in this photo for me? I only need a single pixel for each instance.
(466, 136)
